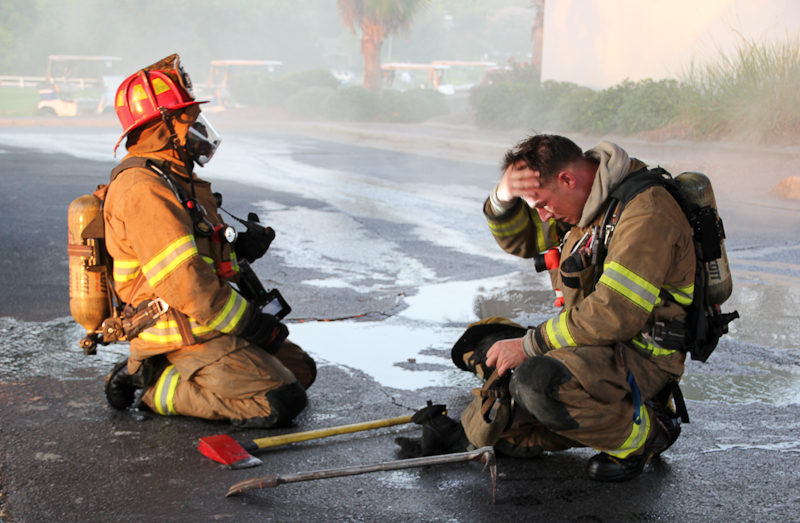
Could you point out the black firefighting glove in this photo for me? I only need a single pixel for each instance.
(265, 331)
(253, 243)
(440, 434)
(121, 386)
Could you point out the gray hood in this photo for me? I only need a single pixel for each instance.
(614, 165)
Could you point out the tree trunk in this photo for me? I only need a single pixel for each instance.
(371, 42)
(538, 37)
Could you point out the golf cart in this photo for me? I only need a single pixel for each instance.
(78, 85)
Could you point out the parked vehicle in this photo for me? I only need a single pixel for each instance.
(226, 75)
(446, 76)
(78, 85)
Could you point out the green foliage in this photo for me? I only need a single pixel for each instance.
(629, 107)
(355, 103)
(391, 15)
(501, 105)
(751, 93)
(260, 89)
(311, 103)
(414, 105)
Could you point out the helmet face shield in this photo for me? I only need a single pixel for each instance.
(202, 140)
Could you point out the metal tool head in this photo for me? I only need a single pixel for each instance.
(226, 450)
(489, 460)
(269, 481)
(485, 455)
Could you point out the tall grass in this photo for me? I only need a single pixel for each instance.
(752, 93)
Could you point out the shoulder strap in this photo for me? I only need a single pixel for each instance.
(630, 186)
(638, 181)
(189, 203)
(128, 163)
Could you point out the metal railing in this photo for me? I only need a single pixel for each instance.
(36, 81)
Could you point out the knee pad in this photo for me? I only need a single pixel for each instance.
(286, 402)
(535, 385)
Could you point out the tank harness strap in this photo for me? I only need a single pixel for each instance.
(680, 402)
(185, 330)
(196, 212)
(201, 227)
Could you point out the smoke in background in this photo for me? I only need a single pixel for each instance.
(596, 43)
(602, 42)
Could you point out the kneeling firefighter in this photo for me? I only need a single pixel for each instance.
(198, 345)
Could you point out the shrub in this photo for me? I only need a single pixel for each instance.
(354, 103)
(414, 105)
(310, 103)
(625, 108)
(501, 105)
(260, 89)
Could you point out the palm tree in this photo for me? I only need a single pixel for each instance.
(377, 19)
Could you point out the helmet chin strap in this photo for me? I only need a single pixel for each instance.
(183, 154)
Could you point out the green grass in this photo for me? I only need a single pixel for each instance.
(16, 101)
(752, 92)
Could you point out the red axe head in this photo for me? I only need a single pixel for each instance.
(228, 451)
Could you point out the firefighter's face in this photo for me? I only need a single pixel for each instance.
(561, 198)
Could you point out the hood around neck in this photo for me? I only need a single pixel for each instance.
(614, 165)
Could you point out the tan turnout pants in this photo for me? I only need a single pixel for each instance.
(227, 379)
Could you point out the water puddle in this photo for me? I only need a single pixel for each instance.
(50, 349)
(740, 373)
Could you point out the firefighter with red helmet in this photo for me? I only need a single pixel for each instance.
(200, 343)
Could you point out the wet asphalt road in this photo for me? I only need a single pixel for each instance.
(66, 456)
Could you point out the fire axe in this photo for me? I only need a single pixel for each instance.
(228, 451)
(484, 455)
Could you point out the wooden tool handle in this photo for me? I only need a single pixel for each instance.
(274, 441)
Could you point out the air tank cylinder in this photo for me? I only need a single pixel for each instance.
(711, 243)
(88, 290)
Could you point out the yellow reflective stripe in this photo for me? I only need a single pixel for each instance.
(682, 295)
(137, 94)
(167, 332)
(165, 391)
(231, 313)
(629, 284)
(159, 86)
(635, 440)
(558, 332)
(513, 226)
(653, 348)
(545, 232)
(165, 261)
(208, 260)
(125, 270)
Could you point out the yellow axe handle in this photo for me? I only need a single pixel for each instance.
(274, 441)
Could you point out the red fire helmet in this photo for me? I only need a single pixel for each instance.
(141, 96)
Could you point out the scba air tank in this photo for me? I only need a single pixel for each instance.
(88, 290)
(711, 243)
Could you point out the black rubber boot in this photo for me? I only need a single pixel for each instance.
(604, 467)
